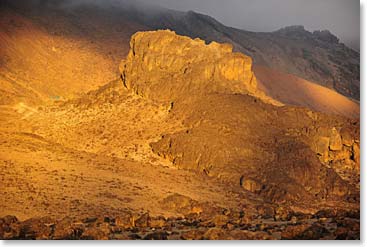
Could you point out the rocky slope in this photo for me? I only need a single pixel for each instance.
(202, 156)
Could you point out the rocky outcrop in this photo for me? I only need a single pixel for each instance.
(326, 36)
(332, 144)
(229, 132)
(165, 67)
(339, 148)
(241, 141)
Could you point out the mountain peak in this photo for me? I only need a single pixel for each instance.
(300, 31)
(293, 28)
(326, 35)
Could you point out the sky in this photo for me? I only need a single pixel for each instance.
(341, 17)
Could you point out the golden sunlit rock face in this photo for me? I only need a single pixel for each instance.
(164, 66)
(183, 143)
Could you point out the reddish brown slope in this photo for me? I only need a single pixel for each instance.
(293, 90)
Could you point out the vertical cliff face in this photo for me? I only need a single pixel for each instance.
(165, 67)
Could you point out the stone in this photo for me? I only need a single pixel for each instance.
(215, 234)
(326, 213)
(143, 221)
(226, 211)
(181, 204)
(125, 221)
(336, 143)
(266, 211)
(7, 220)
(157, 222)
(94, 233)
(314, 232)
(292, 232)
(347, 138)
(344, 154)
(66, 229)
(247, 235)
(356, 154)
(134, 236)
(251, 185)
(196, 234)
(162, 235)
(220, 220)
(9, 227)
(293, 220)
(38, 229)
(322, 148)
(341, 233)
(196, 210)
(283, 214)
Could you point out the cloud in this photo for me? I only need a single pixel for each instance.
(341, 17)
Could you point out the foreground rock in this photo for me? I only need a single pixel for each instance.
(339, 226)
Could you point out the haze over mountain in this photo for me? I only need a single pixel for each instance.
(113, 129)
(339, 16)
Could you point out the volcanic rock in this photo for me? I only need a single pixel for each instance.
(228, 128)
(335, 141)
(189, 66)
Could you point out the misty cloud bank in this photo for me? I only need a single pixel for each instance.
(341, 17)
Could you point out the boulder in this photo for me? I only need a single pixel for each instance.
(95, 233)
(38, 229)
(356, 153)
(143, 221)
(9, 227)
(162, 235)
(347, 138)
(196, 234)
(66, 229)
(125, 221)
(157, 222)
(291, 232)
(181, 204)
(336, 143)
(220, 220)
(322, 147)
(251, 185)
